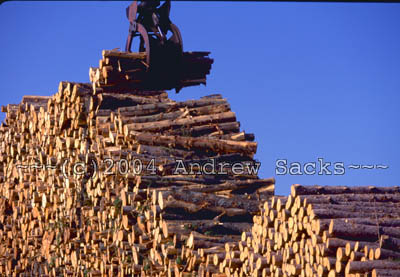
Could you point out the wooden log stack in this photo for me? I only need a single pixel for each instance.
(89, 188)
(120, 72)
(325, 231)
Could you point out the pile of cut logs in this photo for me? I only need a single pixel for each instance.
(324, 231)
(103, 184)
(97, 183)
(119, 71)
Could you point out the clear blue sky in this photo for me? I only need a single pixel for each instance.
(311, 80)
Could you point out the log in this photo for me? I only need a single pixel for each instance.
(351, 197)
(158, 126)
(341, 229)
(249, 186)
(368, 266)
(208, 200)
(388, 242)
(218, 129)
(124, 55)
(114, 101)
(219, 146)
(337, 214)
(377, 272)
(152, 118)
(303, 190)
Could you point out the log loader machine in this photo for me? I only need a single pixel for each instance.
(152, 24)
(161, 41)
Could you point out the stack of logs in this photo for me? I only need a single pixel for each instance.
(323, 231)
(90, 187)
(119, 71)
(95, 183)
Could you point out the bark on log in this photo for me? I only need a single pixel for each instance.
(307, 190)
(342, 229)
(158, 126)
(380, 272)
(218, 146)
(368, 266)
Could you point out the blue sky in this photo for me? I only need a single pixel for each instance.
(311, 80)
